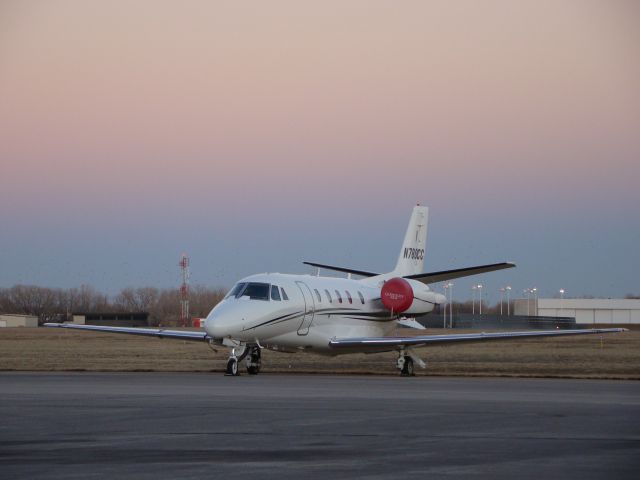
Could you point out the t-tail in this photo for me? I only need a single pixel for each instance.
(411, 258)
(410, 263)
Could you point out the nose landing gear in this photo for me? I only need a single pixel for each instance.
(232, 367)
(232, 363)
(253, 362)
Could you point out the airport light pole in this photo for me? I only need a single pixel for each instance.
(526, 291)
(561, 301)
(480, 295)
(502, 290)
(473, 300)
(450, 287)
(534, 290)
(444, 311)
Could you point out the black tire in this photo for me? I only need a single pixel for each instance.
(408, 363)
(232, 367)
(407, 368)
(253, 370)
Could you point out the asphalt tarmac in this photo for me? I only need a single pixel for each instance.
(157, 426)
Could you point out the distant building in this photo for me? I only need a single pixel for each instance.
(122, 319)
(16, 320)
(584, 310)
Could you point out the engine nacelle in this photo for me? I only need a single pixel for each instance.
(401, 295)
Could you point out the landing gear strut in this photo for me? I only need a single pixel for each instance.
(254, 361)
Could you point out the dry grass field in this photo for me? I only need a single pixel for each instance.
(614, 356)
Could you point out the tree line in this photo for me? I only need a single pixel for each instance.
(163, 305)
(57, 304)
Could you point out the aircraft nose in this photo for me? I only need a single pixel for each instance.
(220, 323)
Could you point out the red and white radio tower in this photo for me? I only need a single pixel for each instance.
(184, 290)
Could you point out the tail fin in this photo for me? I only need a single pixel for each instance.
(411, 259)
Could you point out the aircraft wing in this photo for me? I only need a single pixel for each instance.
(384, 344)
(342, 269)
(148, 332)
(435, 277)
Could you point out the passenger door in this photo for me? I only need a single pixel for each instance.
(309, 308)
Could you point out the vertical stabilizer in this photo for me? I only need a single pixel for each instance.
(411, 259)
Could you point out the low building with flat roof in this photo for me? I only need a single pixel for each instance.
(616, 311)
(9, 320)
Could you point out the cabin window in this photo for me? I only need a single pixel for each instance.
(284, 294)
(328, 295)
(275, 293)
(349, 296)
(361, 297)
(317, 294)
(338, 296)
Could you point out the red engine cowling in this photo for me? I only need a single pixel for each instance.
(397, 295)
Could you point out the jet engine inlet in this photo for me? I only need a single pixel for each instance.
(397, 294)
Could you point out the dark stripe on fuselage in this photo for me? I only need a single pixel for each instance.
(370, 319)
(283, 318)
(379, 316)
(355, 311)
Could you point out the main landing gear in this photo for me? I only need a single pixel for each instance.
(253, 356)
(406, 359)
(254, 361)
(405, 365)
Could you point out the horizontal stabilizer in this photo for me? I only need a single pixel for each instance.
(386, 344)
(342, 269)
(444, 275)
(148, 332)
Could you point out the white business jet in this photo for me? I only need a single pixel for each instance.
(332, 316)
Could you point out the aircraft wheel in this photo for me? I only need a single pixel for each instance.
(253, 370)
(407, 369)
(232, 367)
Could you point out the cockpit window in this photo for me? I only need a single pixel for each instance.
(255, 291)
(275, 293)
(234, 291)
(284, 294)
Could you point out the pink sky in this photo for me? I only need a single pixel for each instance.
(115, 109)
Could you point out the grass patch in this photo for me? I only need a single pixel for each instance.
(612, 356)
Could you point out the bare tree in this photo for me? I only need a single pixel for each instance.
(136, 299)
(163, 305)
(29, 300)
(202, 299)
